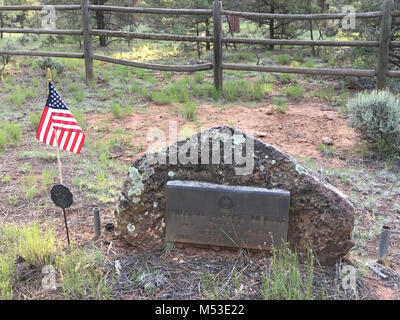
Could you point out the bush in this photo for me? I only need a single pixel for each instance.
(34, 120)
(214, 93)
(189, 110)
(295, 92)
(116, 109)
(159, 97)
(286, 78)
(231, 90)
(310, 63)
(376, 116)
(283, 59)
(45, 63)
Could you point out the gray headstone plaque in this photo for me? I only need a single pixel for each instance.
(233, 216)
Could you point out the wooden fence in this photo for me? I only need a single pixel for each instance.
(381, 71)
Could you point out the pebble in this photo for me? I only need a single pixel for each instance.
(260, 134)
(327, 141)
(269, 112)
(328, 116)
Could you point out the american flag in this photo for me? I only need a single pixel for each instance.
(58, 120)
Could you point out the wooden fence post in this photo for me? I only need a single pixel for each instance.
(384, 45)
(217, 58)
(87, 42)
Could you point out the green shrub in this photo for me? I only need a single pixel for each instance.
(34, 120)
(3, 140)
(6, 277)
(178, 92)
(189, 110)
(198, 77)
(299, 58)
(280, 104)
(17, 96)
(167, 75)
(78, 94)
(332, 61)
(284, 280)
(295, 64)
(245, 89)
(376, 116)
(325, 149)
(231, 90)
(30, 186)
(294, 92)
(140, 73)
(286, 78)
(83, 275)
(200, 90)
(13, 131)
(242, 56)
(48, 62)
(310, 63)
(214, 93)
(283, 59)
(48, 176)
(262, 89)
(159, 97)
(116, 109)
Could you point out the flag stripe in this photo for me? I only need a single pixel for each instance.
(81, 144)
(71, 140)
(46, 126)
(66, 127)
(41, 123)
(74, 142)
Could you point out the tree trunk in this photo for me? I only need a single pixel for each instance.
(1, 24)
(312, 37)
(271, 28)
(198, 43)
(208, 46)
(234, 23)
(101, 24)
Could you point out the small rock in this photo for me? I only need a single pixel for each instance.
(327, 141)
(280, 127)
(260, 134)
(269, 112)
(328, 116)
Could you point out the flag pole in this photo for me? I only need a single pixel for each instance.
(49, 79)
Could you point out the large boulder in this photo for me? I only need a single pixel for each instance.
(320, 216)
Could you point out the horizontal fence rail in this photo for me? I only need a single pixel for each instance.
(322, 16)
(384, 44)
(316, 71)
(41, 54)
(150, 36)
(325, 43)
(159, 67)
(205, 12)
(42, 31)
(39, 8)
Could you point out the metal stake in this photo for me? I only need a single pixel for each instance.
(97, 230)
(383, 244)
(66, 227)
